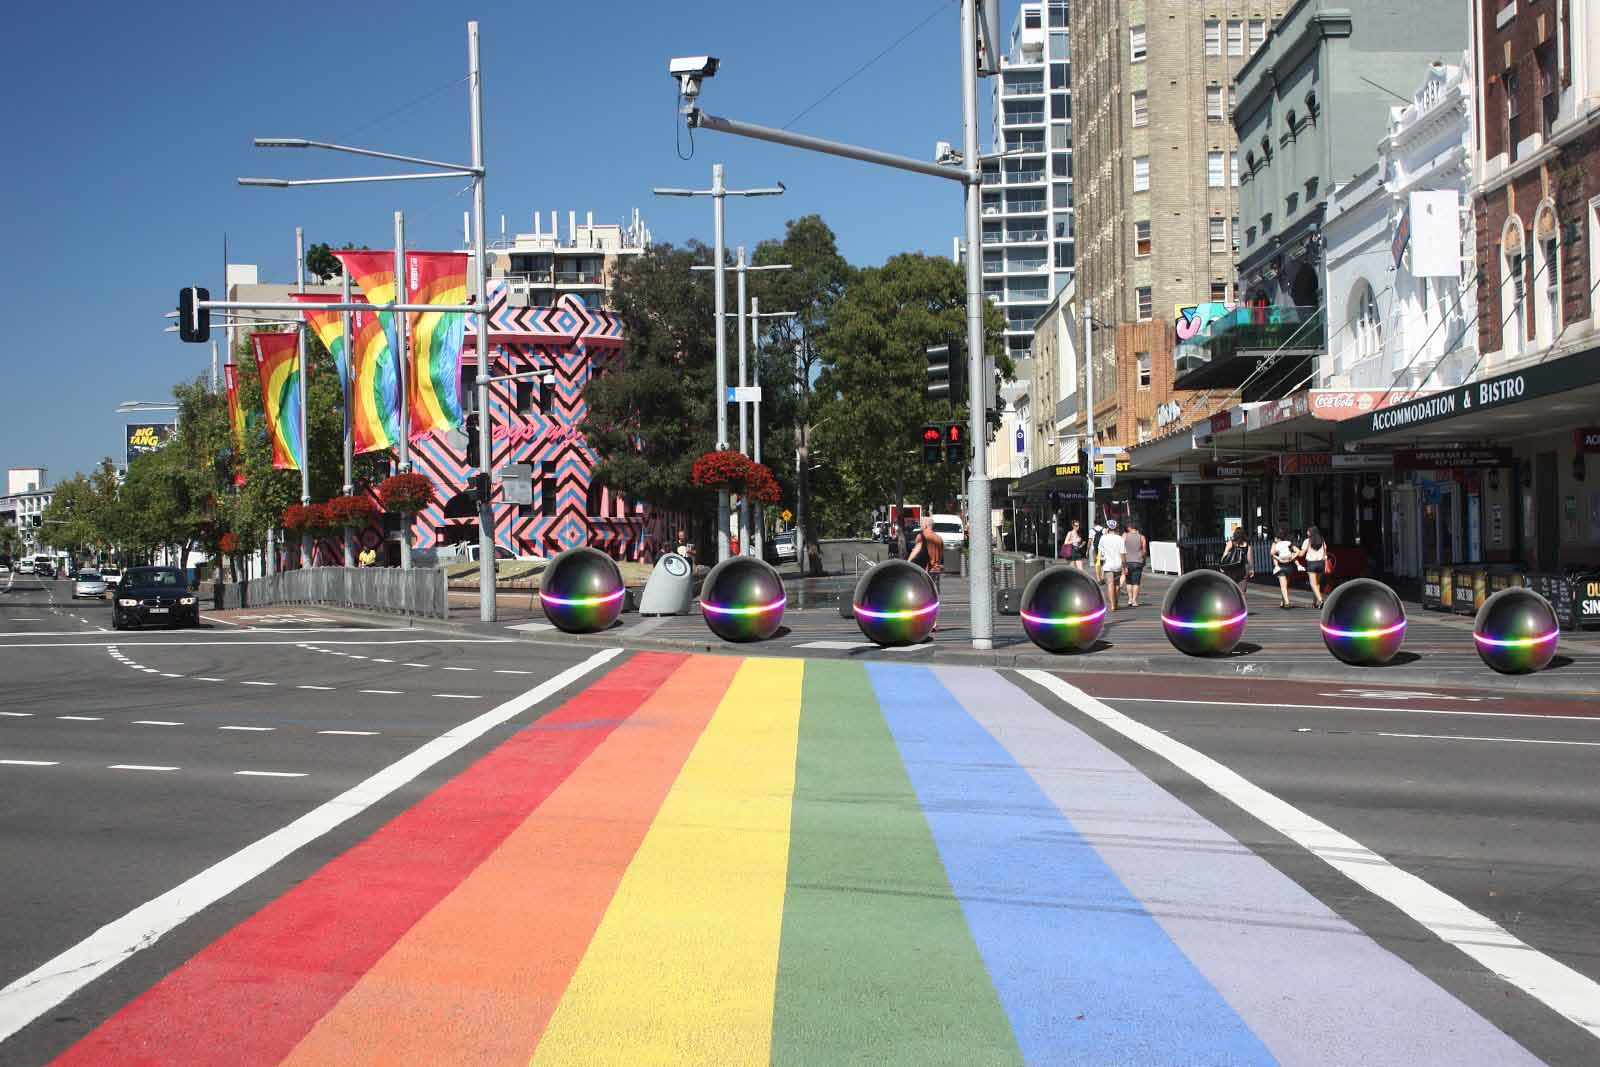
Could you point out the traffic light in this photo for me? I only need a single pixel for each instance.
(471, 429)
(932, 444)
(194, 323)
(481, 486)
(955, 443)
(947, 372)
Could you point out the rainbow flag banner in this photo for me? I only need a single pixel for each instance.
(235, 420)
(716, 860)
(433, 383)
(375, 387)
(329, 328)
(373, 274)
(278, 362)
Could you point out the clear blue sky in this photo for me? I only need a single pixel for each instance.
(128, 124)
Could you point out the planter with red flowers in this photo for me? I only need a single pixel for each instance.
(406, 493)
(353, 511)
(296, 519)
(737, 473)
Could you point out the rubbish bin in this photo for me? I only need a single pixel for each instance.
(1469, 588)
(1431, 589)
(1447, 588)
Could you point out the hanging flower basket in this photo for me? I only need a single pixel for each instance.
(736, 473)
(408, 493)
(353, 510)
(322, 520)
(296, 518)
(228, 544)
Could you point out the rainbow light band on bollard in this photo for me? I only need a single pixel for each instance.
(756, 610)
(581, 601)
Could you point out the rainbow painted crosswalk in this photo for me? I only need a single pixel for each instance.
(723, 861)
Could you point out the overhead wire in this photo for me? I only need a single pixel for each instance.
(896, 43)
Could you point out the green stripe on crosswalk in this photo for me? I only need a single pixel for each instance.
(876, 963)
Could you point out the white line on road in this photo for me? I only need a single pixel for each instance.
(155, 722)
(17, 714)
(509, 671)
(250, 729)
(383, 692)
(324, 688)
(413, 664)
(271, 774)
(137, 767)
(1508, 740)
(47, 985)
(258, 683)
(457, 696)
(29, 763)
(349, 733)
(1351, 707)
(80, 718)
(244, 641)
(203, 678)
(164, 674)
(1558, 986)
(375, 659)
(225, 622)
(458, 668)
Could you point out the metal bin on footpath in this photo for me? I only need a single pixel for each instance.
(1469, 588)
(1432, 587)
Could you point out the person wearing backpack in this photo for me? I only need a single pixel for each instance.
(1314, 556)
(1235, 561)
(1284, 557)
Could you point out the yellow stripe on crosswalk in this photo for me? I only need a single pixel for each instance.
(683, 968)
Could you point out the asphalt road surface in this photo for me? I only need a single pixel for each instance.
(290, 837)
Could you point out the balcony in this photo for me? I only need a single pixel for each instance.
(580, 277)
(1229, 349)
(1026, 207)
(1023, 117)
(1023, 88)
(1034, 176)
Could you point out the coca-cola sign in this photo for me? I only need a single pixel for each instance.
(1347, 403)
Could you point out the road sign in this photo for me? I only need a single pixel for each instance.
(787, 515)
(744, 394)
(516, 483)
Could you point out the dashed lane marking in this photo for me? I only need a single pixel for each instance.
(203, 678)
(250, 729)
(458, 696)
(80, 718)
(1507, 740)
(270, 774)
(423, 665)
(324, 688)
(458, 668)
(383, 692)
(258, 683)
(137, 767)
(30, 763)
(509, 671)
(349, 733)
(1401, 710)
(155, 722)
(164, 674)
(17, 714)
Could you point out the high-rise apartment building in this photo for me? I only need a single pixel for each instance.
(1157, 190)
(1027, 233)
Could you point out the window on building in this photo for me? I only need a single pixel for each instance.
(1145, 303)
(1141, 108)
(1233, 168)
(1059, 77)
(1066, 259)
(1141, 238)
(547, 489)
(1547, 275)
(1136, 44)
(1233, 99)
(1030, 19)
(1061, 136)
(1060, 106)
(1219, 235)
(1058, 15)
(1144, 430)
(1258, 34)
(1213, 37)
(1141, 174)
(1142, 361)
(1219, 292)
(1214, 103)
(1513, 110)
(1366, 325)
(524, 397)
(1236, 37)
(1549, 87)
(1249, 236)
(1061, 195)
(1061, 164)
(1216, 178)
(1060, 47)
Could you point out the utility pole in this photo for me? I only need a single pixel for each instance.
(1088, 456)
(349, 426)
(401, 328)
(487, 602)
(719, 192)
(300, 349)
(755, 362)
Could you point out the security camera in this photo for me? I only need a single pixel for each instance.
(689, 70)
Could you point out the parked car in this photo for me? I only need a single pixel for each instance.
(950, 530)
(154, 595)
(44, 570)
(111, 576)
(89, 584)
(25, 566)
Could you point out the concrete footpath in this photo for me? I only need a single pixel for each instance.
(1278, 644)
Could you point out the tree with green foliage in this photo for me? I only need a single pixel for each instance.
(652, 416)
(75, 519)
(872, 390)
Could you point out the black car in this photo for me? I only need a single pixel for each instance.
(154, 595)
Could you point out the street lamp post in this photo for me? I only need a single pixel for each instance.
(755, 363)
(719, 192)
(300, 354)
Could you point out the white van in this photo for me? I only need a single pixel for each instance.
(950, 530)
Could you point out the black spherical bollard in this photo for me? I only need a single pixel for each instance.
(1063, 610)
(1363, 622)
(742, 599)
(581, 591)
(1516, 632)
(895, 603)
(1204, 614)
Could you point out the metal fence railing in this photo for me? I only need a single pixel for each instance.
(422, 591)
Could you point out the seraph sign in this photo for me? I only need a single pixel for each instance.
(146, 438)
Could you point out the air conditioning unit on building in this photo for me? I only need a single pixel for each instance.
(519, 296)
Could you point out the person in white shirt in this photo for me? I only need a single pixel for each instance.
(1113, 558)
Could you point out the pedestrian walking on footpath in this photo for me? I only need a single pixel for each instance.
(1314, 554)
(928, 553)
(1134, 545)
(1284, 557)
(1113, 558)
(1073, 549)
(1236, 563)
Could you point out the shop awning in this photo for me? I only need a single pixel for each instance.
(1537, 399)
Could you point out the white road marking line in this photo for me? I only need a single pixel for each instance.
(149, 670)
(458, 668)
(164, 674)
(925, 647)
(532, 627)
(249, 640)
(250, 729)
(1508, 740)
(258, 683)
(225, 622)
(324, 688)
(203, 678)
(17, 714)
(413, 664)
(80, 718)
(352, 655)
(30, 763)
(1344, 707)
(271, 774)
(836, 645)
(457, 696)
(137, 767)
(375, 659)
(155, 722)
(349, 733)
(53, 981)
(507, 671)
(1556, 985)
(383, 692)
